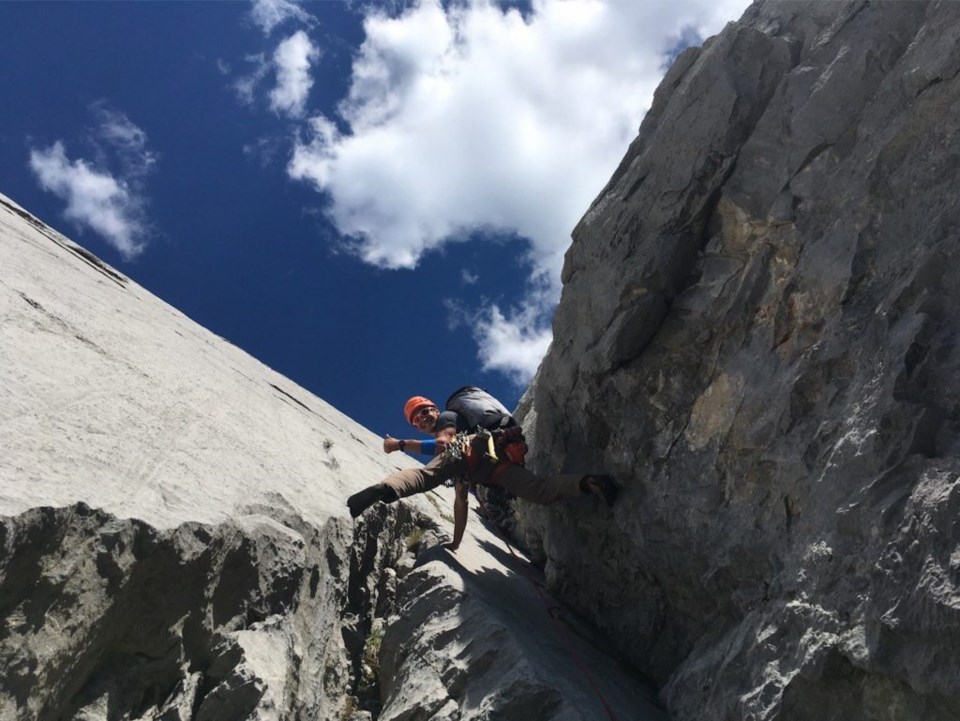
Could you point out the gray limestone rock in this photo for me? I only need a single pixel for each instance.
(458, 648)
(237, 620)
(756, 336)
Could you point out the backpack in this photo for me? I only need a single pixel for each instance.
(479, 408)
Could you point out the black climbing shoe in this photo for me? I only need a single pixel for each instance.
(359, 502)
(603, 486)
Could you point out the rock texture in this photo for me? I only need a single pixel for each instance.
(174, 543)
(108, 618)
(759, 334)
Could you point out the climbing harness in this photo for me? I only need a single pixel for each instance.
(508, 441)
(464, 446)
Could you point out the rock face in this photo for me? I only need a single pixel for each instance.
(174, 543)
(105, 616)
(759, 334)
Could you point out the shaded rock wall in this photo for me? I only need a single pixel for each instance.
(108, 618)
(474, 640)
(758, 334)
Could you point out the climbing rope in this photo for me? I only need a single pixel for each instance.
(553, 611)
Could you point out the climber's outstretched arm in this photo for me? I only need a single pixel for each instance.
(459, 515)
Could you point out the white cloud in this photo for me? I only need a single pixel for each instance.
(95, 199)
(268, 14)
(512, 345)
(292, 60)
(127, 139)
(474, 117)
(109, 202)
(246, 85)
(511, 342)
(468, 278)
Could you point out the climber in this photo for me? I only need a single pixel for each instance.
(475, 442)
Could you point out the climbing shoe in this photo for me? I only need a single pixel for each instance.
(603, 486)
(359, 502)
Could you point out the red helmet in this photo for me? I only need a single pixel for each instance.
(415, 404)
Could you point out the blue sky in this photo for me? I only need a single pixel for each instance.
(372, 198)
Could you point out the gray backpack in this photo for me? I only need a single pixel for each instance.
(479, 408)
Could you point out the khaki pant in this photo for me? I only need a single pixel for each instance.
(513, 478)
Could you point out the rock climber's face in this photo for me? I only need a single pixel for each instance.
(425, 419)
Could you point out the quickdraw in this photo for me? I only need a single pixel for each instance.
(456, 450)
(467, 446)
(464, 446)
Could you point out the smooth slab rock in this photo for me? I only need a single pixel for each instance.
(758, 335)
(111, 397)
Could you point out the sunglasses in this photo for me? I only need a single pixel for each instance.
(423, 413)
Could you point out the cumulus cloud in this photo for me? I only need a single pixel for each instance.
(292, 60)
(268, 14)
(95, 199)
(109, 202)
(513, 345)
(475, 117)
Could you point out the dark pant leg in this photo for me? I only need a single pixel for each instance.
(527, 485)
(419, 480)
